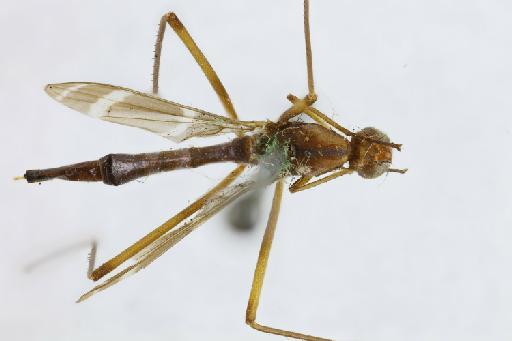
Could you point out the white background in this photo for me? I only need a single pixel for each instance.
(424, 256)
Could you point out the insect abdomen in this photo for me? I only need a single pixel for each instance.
(118, 169)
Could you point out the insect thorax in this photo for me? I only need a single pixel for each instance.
(303, 148)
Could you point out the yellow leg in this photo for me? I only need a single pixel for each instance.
(218, 87)
(216, 84)
(303, 182)
(300, 104)
(297, 108)
(320, 117)
(309, 54)
(200, 58)
(92, 258)
(259, 273)
(312, 97)
(145, 241)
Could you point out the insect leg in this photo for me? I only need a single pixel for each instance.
(309, 55)
(142, 243)
(299, 183)
(319, 117)
(200, 58)
(323, 119)
(303, 182)
(311, 97)
(259, 273)
(298, 107)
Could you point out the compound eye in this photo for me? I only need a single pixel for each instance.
(374, 169)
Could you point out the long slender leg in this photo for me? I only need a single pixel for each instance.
(156, 249)
(303, 182)
(200, 58)
(217, 85)
(219, 88)
(313, 112)
(157, 53)
(320, 117)
(309, 54)
(259, 273)
(133, 249)
(208, 71)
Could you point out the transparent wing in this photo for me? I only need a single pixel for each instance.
(132, 108)
(146, 256)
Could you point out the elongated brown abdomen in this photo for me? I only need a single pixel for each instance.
(117, 169)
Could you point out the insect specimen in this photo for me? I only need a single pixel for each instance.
(265, 151)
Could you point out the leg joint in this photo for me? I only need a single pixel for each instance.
(173, 20)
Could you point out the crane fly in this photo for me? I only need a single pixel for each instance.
(266, 152)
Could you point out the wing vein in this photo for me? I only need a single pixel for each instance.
(132, 108)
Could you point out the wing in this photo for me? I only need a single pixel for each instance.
(132, 108)
(165, 242)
